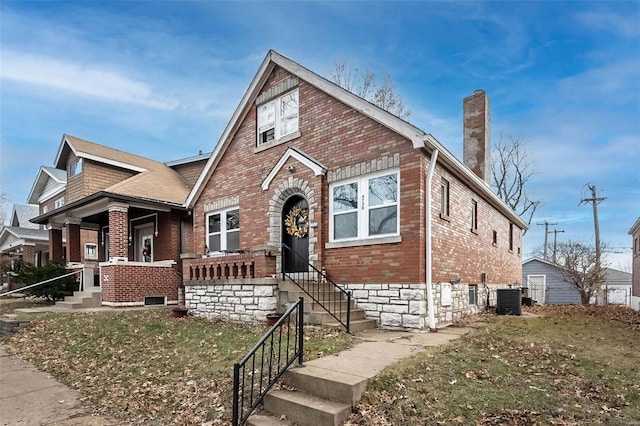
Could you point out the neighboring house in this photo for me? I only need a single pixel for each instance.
(635, 293)
(545, 283)
(135, 207)
(617, 287)
(21, 240)
(355, 190)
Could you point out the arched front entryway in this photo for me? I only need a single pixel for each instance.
(295, 234)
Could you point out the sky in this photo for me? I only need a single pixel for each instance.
(162, 79)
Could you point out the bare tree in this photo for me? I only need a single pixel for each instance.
(4, 200)
(364, 85)
(580, 267)
(511, 171)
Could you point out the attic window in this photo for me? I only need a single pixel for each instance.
(74, 167)
(278, 118)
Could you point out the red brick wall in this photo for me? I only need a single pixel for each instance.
(88, 236)
(29, 254)
(74, 251)
(339, 137)
(124, 284)
(118, 233)
(458, 251)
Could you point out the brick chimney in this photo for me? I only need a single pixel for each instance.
(477, 134)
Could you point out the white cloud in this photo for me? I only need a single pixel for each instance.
(626, 25)
(86, 80)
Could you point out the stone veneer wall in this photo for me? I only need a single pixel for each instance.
(404, 306)
(233, 299)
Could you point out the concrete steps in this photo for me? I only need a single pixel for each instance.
(82, 299)
(333, 299)
(321, 398)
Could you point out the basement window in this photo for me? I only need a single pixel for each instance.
(155, 300)
(473, 294)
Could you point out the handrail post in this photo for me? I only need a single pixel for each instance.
(301, 329)
(348, 310)
(236, 393)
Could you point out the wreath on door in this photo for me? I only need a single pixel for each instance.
(297, 222)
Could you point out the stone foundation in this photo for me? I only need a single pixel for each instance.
(233, 300)
(404, 306)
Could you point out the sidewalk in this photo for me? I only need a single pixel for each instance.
(31, 397)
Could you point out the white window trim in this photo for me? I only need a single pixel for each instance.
(223, 230)
(77, 169)
(278, 135)
(363, 209)
(59, 203)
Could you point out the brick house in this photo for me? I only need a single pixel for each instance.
(635, 266)
(417, 236)
(135, 208)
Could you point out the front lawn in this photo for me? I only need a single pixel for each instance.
(144, 366)
(571, 366)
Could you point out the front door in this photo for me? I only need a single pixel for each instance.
(144, 244)
(295, 234)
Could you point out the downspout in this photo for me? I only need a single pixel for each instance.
(428, 257)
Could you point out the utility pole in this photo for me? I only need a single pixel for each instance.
(555, 235)
(595, 200)
(546, 233)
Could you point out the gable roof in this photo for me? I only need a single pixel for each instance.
(316, 167)
(635, 227)
(419, 139)
(12, 236)
(154, 180)
(21, 215)
(58, 179)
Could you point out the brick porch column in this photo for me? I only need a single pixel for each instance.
(55, 242)
(119, 230)
(74, 251)
(29, 254)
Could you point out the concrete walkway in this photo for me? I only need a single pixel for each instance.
(378, 349)
(31, 397)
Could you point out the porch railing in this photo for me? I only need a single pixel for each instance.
(261, 368)
(323, 291)
(239, 265)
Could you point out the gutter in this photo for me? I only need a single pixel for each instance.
(428, 257)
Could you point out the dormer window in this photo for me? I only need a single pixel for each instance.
(74, 167)
(278, 117)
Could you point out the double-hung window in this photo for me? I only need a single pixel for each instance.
(365, 208)
(278, 117)
(223, 231)
(74, 168)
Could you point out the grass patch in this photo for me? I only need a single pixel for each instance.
(571, 366)
(8, 304)
(146, 367)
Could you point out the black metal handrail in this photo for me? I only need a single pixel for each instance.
(261, 368)
(321, 289)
